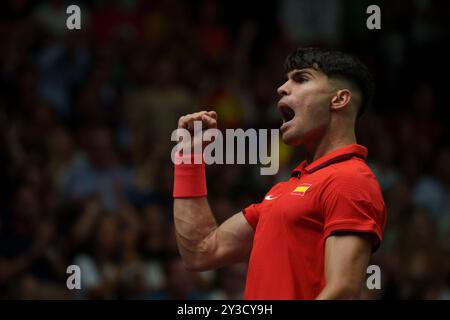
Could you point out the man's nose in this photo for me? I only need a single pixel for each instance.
(282, 90)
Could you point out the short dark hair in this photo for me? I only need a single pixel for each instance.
(337, 64)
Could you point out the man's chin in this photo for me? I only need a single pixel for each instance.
(290, 140)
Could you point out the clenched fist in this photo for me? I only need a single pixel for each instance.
(205, 120)
(208, 119)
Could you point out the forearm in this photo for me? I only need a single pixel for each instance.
(194, 223)
(201, 242)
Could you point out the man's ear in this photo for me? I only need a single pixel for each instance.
(341, 99)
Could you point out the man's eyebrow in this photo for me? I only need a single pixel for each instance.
(299, 72)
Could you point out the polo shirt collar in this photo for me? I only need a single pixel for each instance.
(338, 155)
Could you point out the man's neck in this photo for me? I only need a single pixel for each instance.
(327, 144)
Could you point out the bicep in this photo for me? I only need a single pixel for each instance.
(346, 260)
(232, 241)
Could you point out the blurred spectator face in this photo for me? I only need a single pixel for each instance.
(263, 90)
(423, 101)
(61, 144)
(210, 11)
(27, 89)
(44, 116)
(100, 150)
(139, 68)
(233, 280)
(419, 267)
(446, 246)
(164, 73)
(398, 200)
(129, 229)
(385, 150)
(305, 99)
(88, 107)
(411, 167)
(154, 217)
(106, 243)
(155, 229)
(27, 287)
(223, 209)
(33, 174)
(181, 282)
(28, 81)
(442, 165)
(421, 227)
(164, 177)
(25, 209)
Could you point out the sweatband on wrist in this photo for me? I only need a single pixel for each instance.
(189, 179)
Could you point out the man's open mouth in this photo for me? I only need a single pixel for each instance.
(287, 113)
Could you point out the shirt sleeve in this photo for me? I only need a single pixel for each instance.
(354, 203)
(251, 213)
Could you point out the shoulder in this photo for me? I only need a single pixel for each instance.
(353, 171)
(352, 178)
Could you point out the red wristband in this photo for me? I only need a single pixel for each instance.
(189, 179)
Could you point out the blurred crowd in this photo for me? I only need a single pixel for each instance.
(86, 118)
